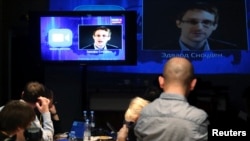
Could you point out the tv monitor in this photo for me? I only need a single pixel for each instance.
(85, 37)
(156, 30)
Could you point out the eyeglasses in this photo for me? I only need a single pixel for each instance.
(98, 35)
(205, 23)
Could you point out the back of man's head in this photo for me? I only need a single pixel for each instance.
(178, 71)
(32, 91)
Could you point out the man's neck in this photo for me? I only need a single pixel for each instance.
(193, 45)
(99, 47)
(175, 89)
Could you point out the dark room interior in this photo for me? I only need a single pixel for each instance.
(224, 96)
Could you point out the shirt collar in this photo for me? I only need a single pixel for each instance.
(170, 96)
(185, 48)
(96, 48)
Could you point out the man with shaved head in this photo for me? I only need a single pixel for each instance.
(170, 117)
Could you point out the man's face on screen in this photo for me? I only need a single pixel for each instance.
(101, 37)
(196, 26)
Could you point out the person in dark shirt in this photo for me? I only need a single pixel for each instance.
(101, 36)
(197, 22)
(15, 117)
(58, 131)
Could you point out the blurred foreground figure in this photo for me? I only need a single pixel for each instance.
(15, 117)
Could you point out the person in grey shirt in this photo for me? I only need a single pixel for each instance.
(170, 117)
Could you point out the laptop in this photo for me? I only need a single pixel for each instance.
(78, 127)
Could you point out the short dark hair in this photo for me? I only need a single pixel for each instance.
(209, 7)
(48, 93)
(32, 91)
(102, 28)
(16, 114)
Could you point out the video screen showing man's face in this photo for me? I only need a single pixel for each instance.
(195, 25)
(101, 38)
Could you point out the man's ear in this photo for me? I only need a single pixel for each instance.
(161, 81)
(178, 23)
(215, 26)
(109, 38)
(193, 83)
(22, 94)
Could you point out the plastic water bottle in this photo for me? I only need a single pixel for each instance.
(92, 119)
(72, 136)
(85, 116)
(87, 131)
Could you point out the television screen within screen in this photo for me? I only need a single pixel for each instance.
(87, 37)
(159, 28)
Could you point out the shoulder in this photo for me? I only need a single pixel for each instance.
(109, 46)
(91, 46)
(221, 45)
(149, 109)
(1, 108)
(196, 115)
(167, 45)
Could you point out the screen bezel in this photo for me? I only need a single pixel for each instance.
(130, 36)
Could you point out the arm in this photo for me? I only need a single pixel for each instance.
(55, 119)
(48, 128)
(202, 130)
(122, 134)
(47, 125)
(53, 112)
(20, 136)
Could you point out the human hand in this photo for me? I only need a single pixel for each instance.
(52, 109)
(53, 112)
(122, 134)
(43, 104)
(20, 136)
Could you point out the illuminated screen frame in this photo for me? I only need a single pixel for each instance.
(62, 35)
(151, 60)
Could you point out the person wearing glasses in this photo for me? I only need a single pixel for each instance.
(101, 36)
(197, 21)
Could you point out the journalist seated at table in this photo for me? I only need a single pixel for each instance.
(32, 95)
(15, 117)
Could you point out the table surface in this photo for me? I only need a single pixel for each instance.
(78, 128)
(80, 139)
(62, 137)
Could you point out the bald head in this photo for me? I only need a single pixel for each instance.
(178, 72)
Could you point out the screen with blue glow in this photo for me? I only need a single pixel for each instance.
(63, 37)
(155, 25)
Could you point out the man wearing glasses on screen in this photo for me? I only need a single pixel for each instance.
(197, 22)
(101, 36)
